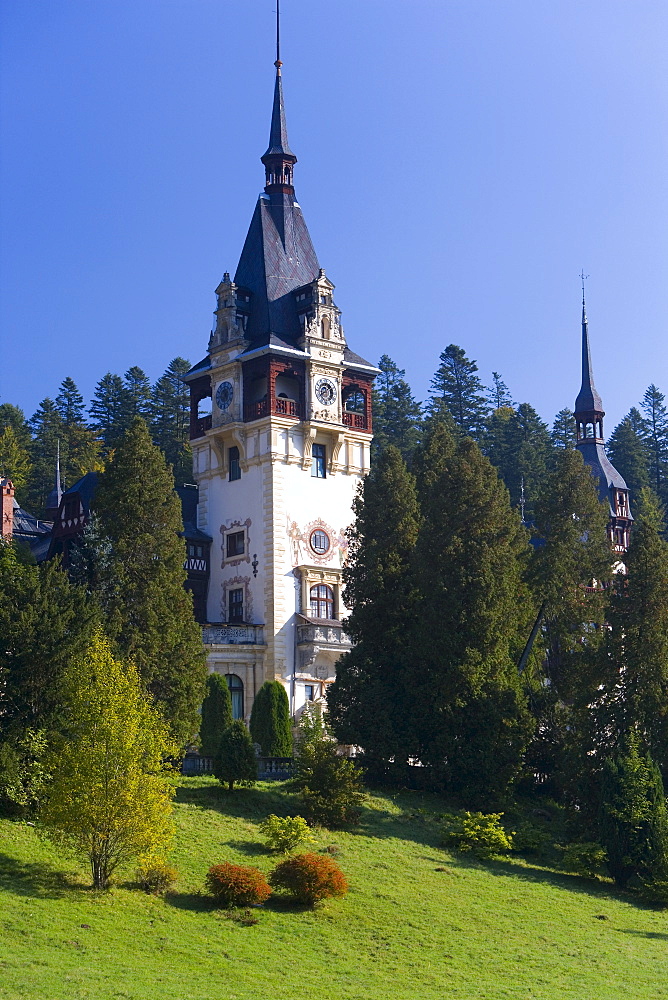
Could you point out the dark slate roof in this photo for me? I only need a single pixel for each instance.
(277, 258)
(189, 495)
(201, 366)
(278, 133)
(588, 400)
(85, 487)
(25, 524)
(606, 474)
(350, 358)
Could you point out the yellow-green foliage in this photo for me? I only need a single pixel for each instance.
(285, 833)
(481, 834)
(155, 875)
(110, 797)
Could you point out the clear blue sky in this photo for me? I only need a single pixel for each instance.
(459, 163)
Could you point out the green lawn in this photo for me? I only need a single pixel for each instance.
(406, 930)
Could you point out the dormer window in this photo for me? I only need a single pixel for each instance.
(622, 504)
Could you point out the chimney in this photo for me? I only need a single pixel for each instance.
(7, 523)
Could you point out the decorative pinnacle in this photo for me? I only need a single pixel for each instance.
(278, 62)
(583, 278)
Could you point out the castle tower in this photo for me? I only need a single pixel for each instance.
(589, 415)
(280, 454)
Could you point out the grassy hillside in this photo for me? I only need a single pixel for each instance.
(417, 924)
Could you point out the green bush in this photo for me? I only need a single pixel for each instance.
(235, 760)
(270, 724)
(155, 875)
(585, 859)
(330, 786)
(655, 891)
(285, 833)
(479, 833)
(237, 885)
(529, 839)
(23, 778)
(309, 878)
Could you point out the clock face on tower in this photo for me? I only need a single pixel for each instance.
(325, 391)
(224, 395)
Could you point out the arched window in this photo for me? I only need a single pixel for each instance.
(236, 686)
(324, 328)
(322, 601)
(355, 401)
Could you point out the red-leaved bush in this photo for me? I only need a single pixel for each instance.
(309, 878)
(237, 885)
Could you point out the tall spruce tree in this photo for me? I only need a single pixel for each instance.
(656, 421)
(467, 708)
(270, 720)
(629, 453)
(170, 419)
(457, 392)
(397, 416)
(47, 428)
(79, 446)
(517, 442)
(70, 403)
(635, 655)
(216, 714)
(137, 400)
(150, 614)
(107, 409)
(498, 393)
(564, 434)
(368, 702)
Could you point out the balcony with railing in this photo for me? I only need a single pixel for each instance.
(233, 635)
(357, 420)
(281, 407)
(328, 633)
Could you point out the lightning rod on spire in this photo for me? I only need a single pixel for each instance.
(278, 62)
(583, 278)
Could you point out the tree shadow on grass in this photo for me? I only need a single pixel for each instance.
(657, 935)
(243, 803)
(195, 901)
(251, 847)
(29, 878)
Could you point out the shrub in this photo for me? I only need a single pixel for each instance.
(285, 833)
(481, 834)
(237, 885)
(309, 878)
(529, 839)
(235, 760)
(330, 786)
(585, 859)
(655, 891)
(270, 720)
(155, 875)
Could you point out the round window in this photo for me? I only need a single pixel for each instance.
(320, 542)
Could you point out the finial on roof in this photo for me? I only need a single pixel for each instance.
(278, 62)
(588, 400)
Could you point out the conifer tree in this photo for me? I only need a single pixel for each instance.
(636, 650)
(47, 428)
(107, 409)
(79, 445)
(628, 452)
(633, 818)
(45, 621)
(397, 416)
(235, 760)
(475, 612)
(216, 714)
(137, 401)
(270, 720)
(70, 403)
(656, 420)
(368, 702)
(150, 614)
(499, 393)
(564, 434)
(14, 460)
(170, 420)
(517, 442)
(458, 391)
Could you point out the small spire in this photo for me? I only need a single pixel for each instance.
(279, 158)
(588, 400)
(55, 496)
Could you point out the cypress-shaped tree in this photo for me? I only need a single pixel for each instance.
(150, 614)
(270, 720)
(468, 710)
(369, 700)
(216, 714)
(397, 416)
(457, 392)
(629, 453)
(235, 760)
(633, 819)
(636, 651)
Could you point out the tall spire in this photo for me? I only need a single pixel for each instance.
(588, 400)
(279, 158)
(53, 500)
